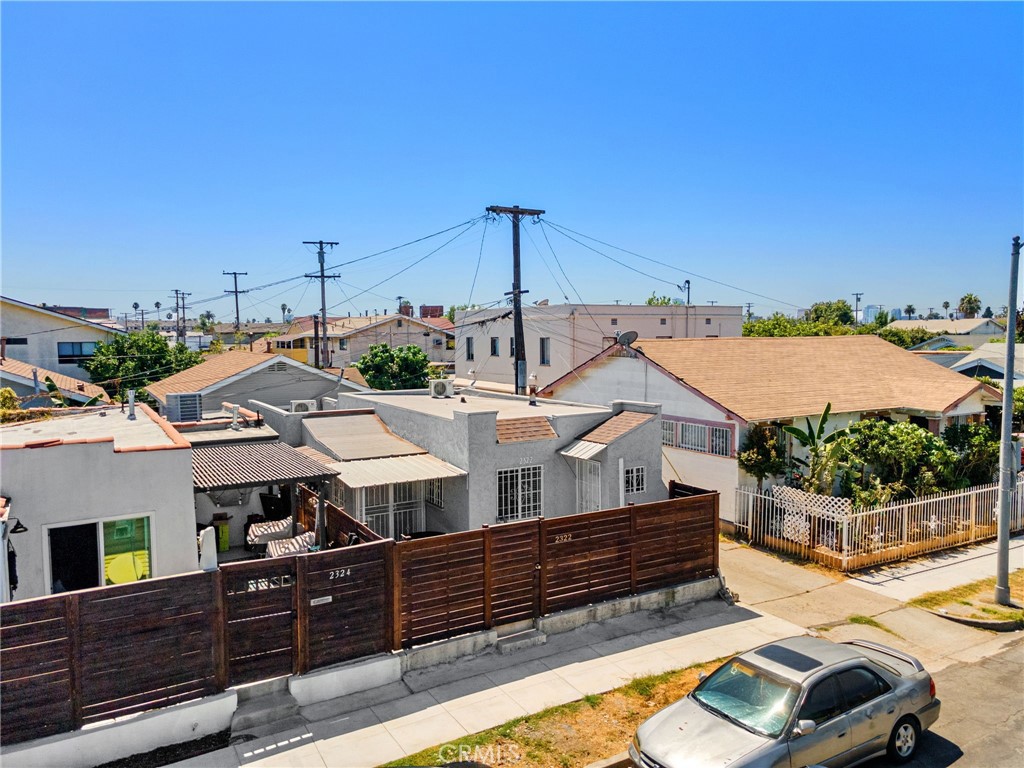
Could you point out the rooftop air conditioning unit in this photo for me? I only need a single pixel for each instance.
(442, 388)
(184, 406)
(303, 406)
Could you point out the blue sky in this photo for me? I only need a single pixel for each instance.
(798, 151)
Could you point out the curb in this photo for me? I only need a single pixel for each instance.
(1009, 625)
(620, 760)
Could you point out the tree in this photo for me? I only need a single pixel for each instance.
(905, 338)
(284, 308)
(761, 456)
(833, 312)
(945, 308)
(910, 309)
(661, 301)
(988, 313)
(58, 399)
(890, 461)
(825, 453)
(969, 305)
(133, 360)
(976, 453)
(386, 367)
(157, 304)
(781, 325)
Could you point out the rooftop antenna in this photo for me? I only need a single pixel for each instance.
(627, 338)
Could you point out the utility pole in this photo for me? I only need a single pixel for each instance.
(236, 292)
(856, 308)
(516, 213)
(712, 303)
(323, 294)
(1006, 458)
(750, 306)
(179, 324)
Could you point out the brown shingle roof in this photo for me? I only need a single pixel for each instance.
(66, 384)
(616, 427)
(521, 430)
(249, 465)
(214, 369)
(776, 378)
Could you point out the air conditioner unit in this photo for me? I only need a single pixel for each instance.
(303, 406)
(442, 388)
(184, 406)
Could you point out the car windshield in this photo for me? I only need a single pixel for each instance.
(749, 697)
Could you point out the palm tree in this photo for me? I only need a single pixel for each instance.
(910, 309)
(970, 305)
(284, 308)
(945, 308)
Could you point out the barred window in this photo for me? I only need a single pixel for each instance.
(668, 432)
(520, 493)
(434, 493)
(636, 480)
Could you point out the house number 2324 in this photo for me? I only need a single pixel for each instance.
(340, 573)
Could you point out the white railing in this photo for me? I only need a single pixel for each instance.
(834, 533)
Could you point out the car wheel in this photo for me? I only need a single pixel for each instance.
(903, 741)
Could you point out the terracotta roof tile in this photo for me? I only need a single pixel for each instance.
(776, 378)
(214, 369)
(616, 427)
(524, 429)
(66, 384)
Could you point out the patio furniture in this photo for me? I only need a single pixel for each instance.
(297, 545)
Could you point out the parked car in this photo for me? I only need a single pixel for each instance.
(797, 702)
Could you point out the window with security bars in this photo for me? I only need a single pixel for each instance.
(434, 494)
(635, 480)
(705, 438)
(520, 493)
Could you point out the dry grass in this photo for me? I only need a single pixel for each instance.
(569, 735)
(977, 600)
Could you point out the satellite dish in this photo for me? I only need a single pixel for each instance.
(627, 338)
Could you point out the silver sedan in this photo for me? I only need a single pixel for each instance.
(794, 703)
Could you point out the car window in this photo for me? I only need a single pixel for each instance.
(749, 696)
(822, 702)
(860, 685)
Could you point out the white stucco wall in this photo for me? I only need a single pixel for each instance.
(80, 483)
(716, 473)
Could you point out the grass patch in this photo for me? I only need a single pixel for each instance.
(976, 600)
(867, 621)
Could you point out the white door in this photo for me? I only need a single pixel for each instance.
(588, 486)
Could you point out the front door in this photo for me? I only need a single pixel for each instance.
(588, 486)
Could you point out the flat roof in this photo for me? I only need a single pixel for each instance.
(80, 425)
(466, 402)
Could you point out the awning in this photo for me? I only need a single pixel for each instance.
(582, 449)
(394, 469)
(250, 465)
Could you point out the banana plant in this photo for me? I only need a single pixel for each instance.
(825, 453)
(58, 399)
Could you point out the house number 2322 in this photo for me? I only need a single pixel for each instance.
(340, 573)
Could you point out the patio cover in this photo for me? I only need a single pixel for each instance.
(394, 469)
(250, 465)
(582, 449)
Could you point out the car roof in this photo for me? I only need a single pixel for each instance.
(798, 658)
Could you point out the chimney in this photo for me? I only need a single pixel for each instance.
(131, 405)
(405, 309)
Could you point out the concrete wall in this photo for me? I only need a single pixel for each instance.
(578, 332)
(89, 483)
(277, 388)
(43, 331)
(716, 473)
(287, 425)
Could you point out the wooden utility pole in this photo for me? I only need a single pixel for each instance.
(516, 213)
(179, 324)
(236, 292)
(323, 295)
(856, 308)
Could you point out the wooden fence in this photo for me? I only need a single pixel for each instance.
(76, 658)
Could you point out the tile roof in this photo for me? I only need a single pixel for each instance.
(963, 325)
(213, 370)
(616, 427)
(76, 388)
(524, 429)
(776, 378)
(249, 465)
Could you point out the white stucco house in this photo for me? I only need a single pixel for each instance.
(712, 390)
(104, 495)
(28, 382)
(49, 339)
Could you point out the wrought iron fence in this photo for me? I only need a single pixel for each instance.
(831, 531)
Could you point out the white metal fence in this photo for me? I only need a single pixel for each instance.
(833, 532)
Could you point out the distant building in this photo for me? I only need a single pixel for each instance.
(95, 314)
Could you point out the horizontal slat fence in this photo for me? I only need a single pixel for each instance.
(339, 523)
(36, 664)
(82, 657)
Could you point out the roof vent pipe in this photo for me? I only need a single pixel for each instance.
(131, 405)
(234, 418)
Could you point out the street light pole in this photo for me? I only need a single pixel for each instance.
(1006, 457)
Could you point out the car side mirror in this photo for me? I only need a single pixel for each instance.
(804, 728)
(702, 677)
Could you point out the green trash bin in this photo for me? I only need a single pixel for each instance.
(222, 524)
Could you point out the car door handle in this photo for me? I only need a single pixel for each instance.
(869, 714)
(890, 710)
(840, 735)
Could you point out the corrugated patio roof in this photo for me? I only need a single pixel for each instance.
(249, 465)
(394, 469)
(582, 449)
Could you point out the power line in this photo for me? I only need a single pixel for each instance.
(236, 292)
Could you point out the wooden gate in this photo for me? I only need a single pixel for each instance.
(585, 559)
(259, 604)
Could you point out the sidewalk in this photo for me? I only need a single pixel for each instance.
(445, 703)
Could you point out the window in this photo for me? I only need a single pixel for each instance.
(495, 346)
(664, 321)
(693, 436)
(469, 348)
(399, 323)
(707, 321)
(545, 351)
(74, 351)
(861, 685)
(512, 347)
(437, 342)
(435, 493)
(615, 321)
(101, 553)
(17, 341)
(636, 480)
(520, 493)
(822, 702)
(343, 344)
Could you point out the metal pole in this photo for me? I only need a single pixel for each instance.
(1006, 462)
(517, 310)
(323, 308)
